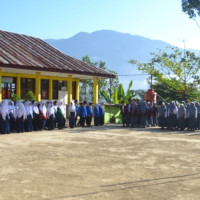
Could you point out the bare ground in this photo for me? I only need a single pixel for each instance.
(104, 163)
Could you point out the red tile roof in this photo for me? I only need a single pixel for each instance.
(26, 52)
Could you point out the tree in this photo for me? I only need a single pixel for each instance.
(86, 86)
(191, 8)
(174, 73)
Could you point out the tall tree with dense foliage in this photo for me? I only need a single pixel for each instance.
(108, 85)
(191, 8)
(175, 73)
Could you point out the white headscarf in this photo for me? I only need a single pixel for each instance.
(43, 108)
(50, 109)
(35, 107)
(4, 109)
(72, 108)
(20, 110)
(60, 105)
(28, 108)
(11, 107)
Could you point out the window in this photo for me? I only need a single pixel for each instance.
(8, 87)
(27, 84)
(44, 89)
(58, 86)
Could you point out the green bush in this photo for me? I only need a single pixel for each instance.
(30, 96)
(15, 98)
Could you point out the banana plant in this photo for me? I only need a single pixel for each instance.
(119, 94)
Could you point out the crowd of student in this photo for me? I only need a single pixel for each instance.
(47, 115)
(173, 116)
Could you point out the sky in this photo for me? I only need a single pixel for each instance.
(55, 19)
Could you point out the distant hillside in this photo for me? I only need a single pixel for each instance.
(114, 48)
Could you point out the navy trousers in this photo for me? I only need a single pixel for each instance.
(20, 125)
(72, 120)
(61, 122)
(88, 120)
(29, 124)
(43, 124)
(96, 121)
(5, 125)
(51, 123)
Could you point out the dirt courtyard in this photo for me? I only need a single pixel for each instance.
(103, 163)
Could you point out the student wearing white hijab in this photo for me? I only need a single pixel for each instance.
(55, 107)
(36, 121)
(20, 115)
(5, 126)
(51, 115)
(60, 115)
(11, 111)
(43, 116)
(72, 114)
(29, 116)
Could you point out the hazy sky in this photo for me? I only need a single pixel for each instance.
(155, 19)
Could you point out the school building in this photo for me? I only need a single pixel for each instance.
(29, 63)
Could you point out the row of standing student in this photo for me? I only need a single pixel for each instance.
(28, 117)
(46, 115)
(179, 116)
(171, 116)
(85, 113)
(139, 114)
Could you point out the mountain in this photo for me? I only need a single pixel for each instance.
(114, 48)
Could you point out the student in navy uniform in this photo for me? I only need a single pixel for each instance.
(96, 114)
(51, 116)
(43, 116)
(20, 115)
(123, 113)
(155, 114)
(36, 121)
(172, 118)
(143, 113)
(83, 113)
(29, 116)
(149, 114)
(61, 115)
(89, 114)
(198, 116)
(5, 125)
(128, 114)
(162, 114)
(192, 117)
(134, 113)
(72, 114)
(181, 117)
(101, 114)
